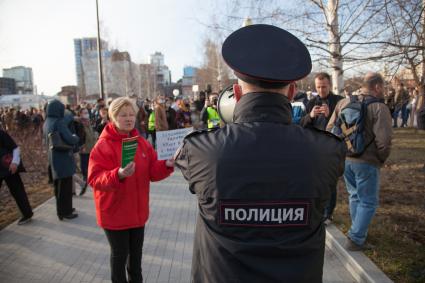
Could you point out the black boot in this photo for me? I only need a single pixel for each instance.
(69, 216)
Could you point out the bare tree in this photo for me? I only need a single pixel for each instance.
(214, 71)
(327, 27)
(403, 45)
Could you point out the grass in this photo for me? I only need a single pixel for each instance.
(397, 232)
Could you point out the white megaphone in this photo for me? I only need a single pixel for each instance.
(226, 104)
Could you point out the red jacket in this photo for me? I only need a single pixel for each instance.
(122, 204)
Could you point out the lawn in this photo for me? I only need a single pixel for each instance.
(397, 232)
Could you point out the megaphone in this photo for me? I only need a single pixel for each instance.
(226, 104)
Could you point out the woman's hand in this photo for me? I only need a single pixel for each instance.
(13, 168)
(127, 170)
(169, 163)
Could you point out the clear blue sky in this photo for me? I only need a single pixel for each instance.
(39, 34)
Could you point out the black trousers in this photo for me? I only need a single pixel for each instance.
(153, 135)
(84, 164)
(330, 207)
(17, 190)
(126, 253)
(63, 194)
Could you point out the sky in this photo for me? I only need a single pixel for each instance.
(39, 34)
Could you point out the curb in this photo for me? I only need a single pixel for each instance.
(357, 263)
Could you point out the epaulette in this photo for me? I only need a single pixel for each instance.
(201, 131)
(324, 132)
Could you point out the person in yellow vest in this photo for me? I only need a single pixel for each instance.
(209, 114)
(151, 123)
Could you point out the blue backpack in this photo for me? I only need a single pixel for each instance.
(298, 111)
(350, 125)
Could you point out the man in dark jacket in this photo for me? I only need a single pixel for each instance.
(320, 108)
(260, 216)
(319, 111)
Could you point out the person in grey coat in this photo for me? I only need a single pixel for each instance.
(62, 163)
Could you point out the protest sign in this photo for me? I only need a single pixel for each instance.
(167, 142)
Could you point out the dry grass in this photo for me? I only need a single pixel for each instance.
(397, 232)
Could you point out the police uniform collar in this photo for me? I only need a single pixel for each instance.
(263, 107)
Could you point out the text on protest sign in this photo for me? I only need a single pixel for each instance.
(167, 142)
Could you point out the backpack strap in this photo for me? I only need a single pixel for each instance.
(354, 98)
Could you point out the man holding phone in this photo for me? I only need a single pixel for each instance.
(319, 111)
(321, 107)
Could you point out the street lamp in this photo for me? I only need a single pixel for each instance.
(176, 92)
(99, 54)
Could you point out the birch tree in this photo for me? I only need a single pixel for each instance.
(326, 27)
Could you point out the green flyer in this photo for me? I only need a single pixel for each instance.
(129, 148)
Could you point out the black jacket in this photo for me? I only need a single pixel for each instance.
(321, 121)
(7, 146)
(262, 185)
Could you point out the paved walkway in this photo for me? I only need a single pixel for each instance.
(49, 250)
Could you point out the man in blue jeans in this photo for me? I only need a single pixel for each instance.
(361, 173)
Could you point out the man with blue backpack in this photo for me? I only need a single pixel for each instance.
(364, 122)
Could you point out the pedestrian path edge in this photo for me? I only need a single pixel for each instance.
(357, 263)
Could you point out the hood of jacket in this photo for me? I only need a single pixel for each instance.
(263, 107)
(55, 109)
(110, 132)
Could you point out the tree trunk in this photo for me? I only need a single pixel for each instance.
(335, 47)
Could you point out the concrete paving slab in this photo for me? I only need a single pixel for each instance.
(49, 250)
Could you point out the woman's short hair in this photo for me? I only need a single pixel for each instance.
(117, 104)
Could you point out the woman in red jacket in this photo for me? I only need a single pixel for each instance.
(121, 195)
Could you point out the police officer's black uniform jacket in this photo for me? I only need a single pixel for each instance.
(262, 185)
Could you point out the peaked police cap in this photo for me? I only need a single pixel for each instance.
(266, 53)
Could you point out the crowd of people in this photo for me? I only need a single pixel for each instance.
(259, 215)
(92, 131)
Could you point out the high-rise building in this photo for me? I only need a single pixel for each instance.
(7, 86)
(120, 75)
(188, 80)
(163, 73)
(23, 78)
(86, 47)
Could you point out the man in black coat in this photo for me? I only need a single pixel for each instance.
(319, 111)
(261, 197)
(320, 108)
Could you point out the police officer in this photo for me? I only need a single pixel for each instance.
(261, 197)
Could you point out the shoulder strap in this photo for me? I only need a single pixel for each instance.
(371, 99)
(354, 98)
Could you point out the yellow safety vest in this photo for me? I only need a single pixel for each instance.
(213, 118)
(151, 122)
